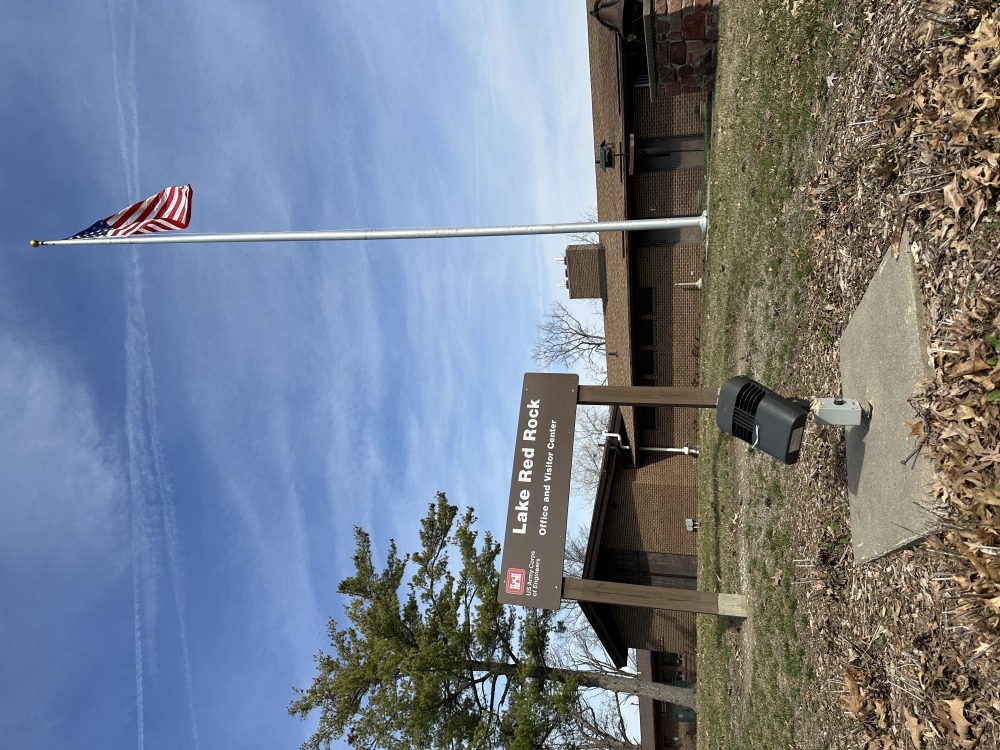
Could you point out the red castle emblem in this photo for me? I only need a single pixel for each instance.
(515, 581)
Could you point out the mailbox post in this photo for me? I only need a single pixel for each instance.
(759, 416)
(774, 424)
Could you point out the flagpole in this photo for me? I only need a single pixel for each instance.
(627, 225)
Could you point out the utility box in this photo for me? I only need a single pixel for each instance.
(759, 416)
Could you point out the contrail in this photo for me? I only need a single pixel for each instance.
(147, 468)
(128, 112)
(137, 618)
(151, 482)
(130, 162)
(138, 355)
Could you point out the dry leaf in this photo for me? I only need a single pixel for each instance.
(880, 712)
(853, 701)
(978, 208)
(914, 727)
(895, 107)
(953, 197)
(967, 367)
(956, 709)
(776, 578)
(964, 118)
(946, 723)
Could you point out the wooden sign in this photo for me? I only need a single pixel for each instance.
(531, 569)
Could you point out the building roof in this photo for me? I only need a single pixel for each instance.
(647, 707)
(600, 616)
(608, 106)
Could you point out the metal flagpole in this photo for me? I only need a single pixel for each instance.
(628, 225)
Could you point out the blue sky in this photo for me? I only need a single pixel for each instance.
(188, 434)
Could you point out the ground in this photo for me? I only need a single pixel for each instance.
(834, 128)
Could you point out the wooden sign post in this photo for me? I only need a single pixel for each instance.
(530, 569)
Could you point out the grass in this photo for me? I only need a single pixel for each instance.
(769, 97)
(772, 671)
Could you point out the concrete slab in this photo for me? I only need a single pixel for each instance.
(883, 353)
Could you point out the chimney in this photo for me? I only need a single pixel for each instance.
(586, 275)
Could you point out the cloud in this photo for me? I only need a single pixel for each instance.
(255, 373)
(274, 397)
(60, 476)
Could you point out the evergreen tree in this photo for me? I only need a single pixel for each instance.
(439, 663)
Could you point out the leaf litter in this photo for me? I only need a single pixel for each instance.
(909, 646)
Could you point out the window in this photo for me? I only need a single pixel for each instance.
(647, 368)
(644, 334)
(646, 330)
(670, 659)
(645, 416)
(645, 302)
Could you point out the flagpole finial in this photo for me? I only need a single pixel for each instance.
(34, 243)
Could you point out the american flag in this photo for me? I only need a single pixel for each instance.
(168, 209)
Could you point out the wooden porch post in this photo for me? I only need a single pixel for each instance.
(654, 597)
(643, 395)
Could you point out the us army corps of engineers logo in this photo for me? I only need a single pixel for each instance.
(515, 581)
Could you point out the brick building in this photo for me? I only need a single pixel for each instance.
(663, 725)
(649, 131)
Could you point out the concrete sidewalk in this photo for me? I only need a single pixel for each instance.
(883, 353)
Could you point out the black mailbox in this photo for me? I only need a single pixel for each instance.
(769, 422)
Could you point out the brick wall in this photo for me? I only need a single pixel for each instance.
(649, 504)
(676, 313)
(671, 192)
(657, 630)
(668, 115)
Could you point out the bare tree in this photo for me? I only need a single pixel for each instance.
(576, 552)
(565, 339)
(587, 238)
(598, 722)
(588, 450)
(596, 718)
